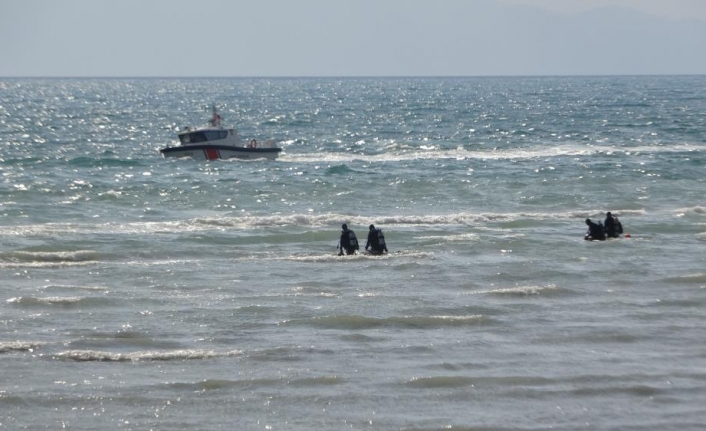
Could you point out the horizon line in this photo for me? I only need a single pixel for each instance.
(344, 76)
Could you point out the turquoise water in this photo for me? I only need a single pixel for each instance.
(138, 292)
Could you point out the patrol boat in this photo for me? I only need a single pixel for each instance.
(216, 142)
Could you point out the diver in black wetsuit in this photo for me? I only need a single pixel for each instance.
(595, 231)
(611, 227)
(376, 241)
(348, 241)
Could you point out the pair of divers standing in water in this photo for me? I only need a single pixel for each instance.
(349, 242)
(599, 231)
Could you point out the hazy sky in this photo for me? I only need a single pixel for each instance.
(351, 37)
(678, 9)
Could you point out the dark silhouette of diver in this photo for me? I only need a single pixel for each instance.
(596, 232)
(613, 227)
(348, 241)
(376, 241)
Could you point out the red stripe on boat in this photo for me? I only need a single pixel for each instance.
(212, 153)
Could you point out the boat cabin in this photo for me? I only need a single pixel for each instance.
(202, 136)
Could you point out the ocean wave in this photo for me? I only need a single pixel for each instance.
(633, 390)
(450, 238)
(277, 354)
(698, 210)
(607, 337)
(338, 170)
(698, 278)
(49, 256)
(172, 355)
(517, 290)
(18, 346)
(334, 257)
(354, 322)
(62, 301)
(39, 265)
(314, 381)
(510, 381)
(213, 384)
(678, 303)
(463, 218)
(75, 287)
(313, 292)
(460, 153)
(440, 382)
(600, 214)
(250, 222)
(43, 259)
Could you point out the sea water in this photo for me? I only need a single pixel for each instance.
(138, 292)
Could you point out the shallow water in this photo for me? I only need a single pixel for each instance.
(138, 292)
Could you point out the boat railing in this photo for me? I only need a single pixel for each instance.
(267, 143)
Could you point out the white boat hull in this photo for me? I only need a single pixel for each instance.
(214, 152)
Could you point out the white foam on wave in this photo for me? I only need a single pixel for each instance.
(312, 292)
(182, 354)
(517, 290)
(18, 346)
(356, 257)
(697, 210)
(566, 149)
(47, 259)
(48, 300)
(74, 287)
(53, 256)
(450, 238)
(44, 264)
(249, 222)
(156, 262)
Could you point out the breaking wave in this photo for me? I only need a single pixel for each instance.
(178, 355)
(451, 238)
(460, 153)
(61, 301)
(47, 258)
(249, 222)
(75, 287)
(18, 346)
(357, 257)
(517, 290)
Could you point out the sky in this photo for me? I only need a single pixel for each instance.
(319, 38)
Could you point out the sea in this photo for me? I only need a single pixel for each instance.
(144, 293)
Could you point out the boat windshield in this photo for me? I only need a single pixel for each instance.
(202, 136)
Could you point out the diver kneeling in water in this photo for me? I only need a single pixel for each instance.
(595, 231)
